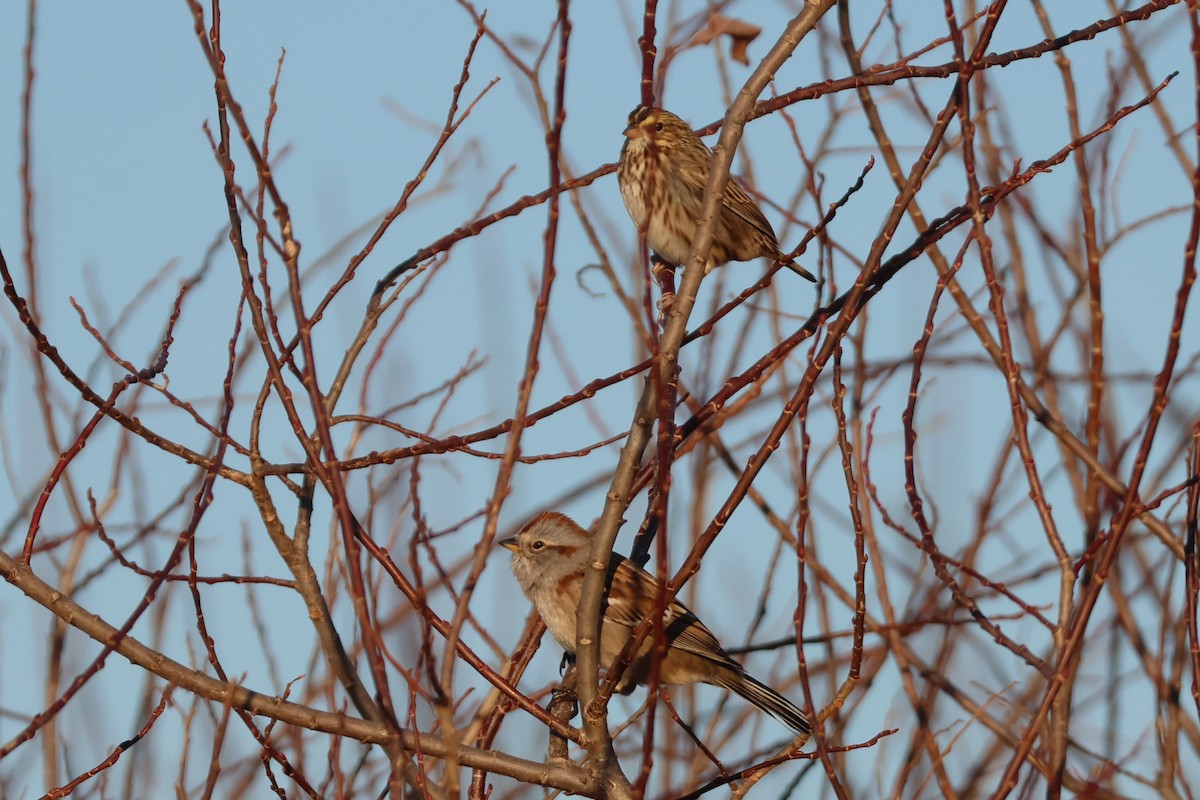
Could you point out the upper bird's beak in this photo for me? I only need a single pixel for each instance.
(634, 132)
(511, 544)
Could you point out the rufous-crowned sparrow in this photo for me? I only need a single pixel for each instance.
(549, 557)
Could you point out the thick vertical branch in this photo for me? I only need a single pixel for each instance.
(667, 365)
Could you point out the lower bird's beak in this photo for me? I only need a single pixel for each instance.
(511, 544)
(634, 132)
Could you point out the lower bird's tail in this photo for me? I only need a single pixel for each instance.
(767, 699)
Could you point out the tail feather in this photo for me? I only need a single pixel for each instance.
(767, 699)
(801, 271)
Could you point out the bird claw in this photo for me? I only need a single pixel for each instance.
(561, 694)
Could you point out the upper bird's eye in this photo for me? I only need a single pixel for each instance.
(658, 127)
(537, 544)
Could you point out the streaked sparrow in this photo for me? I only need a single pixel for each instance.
(662, 173)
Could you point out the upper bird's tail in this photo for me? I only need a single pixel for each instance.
(801, 271)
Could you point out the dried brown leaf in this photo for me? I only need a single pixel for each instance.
(740, 33)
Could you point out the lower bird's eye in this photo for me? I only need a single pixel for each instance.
(538, 545)
(658, 127)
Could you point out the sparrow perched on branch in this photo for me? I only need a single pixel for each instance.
(662, 173)
(550, 556)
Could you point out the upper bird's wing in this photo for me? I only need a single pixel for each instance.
(737, 201)
(740, 203)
